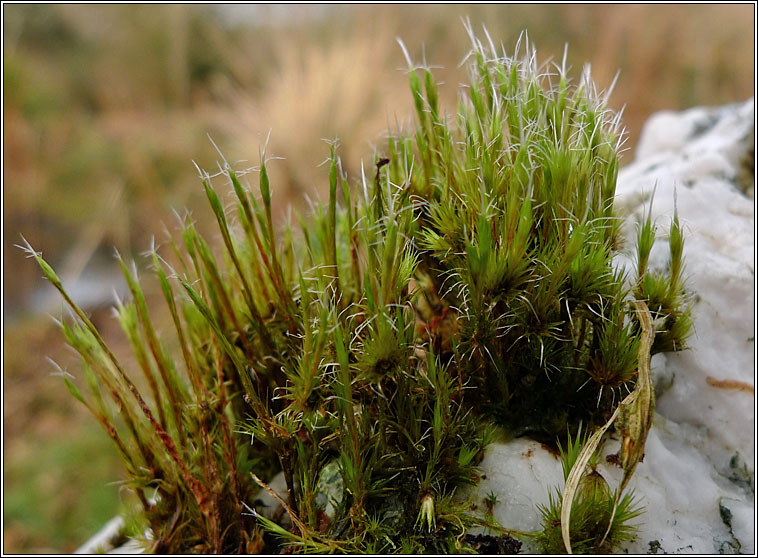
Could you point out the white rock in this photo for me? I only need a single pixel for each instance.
(719, 222)
(697, 480)
(264, 503)
(103, 540)
(520, 473)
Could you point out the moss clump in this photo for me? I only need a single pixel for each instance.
(467, 281)
(597, 523)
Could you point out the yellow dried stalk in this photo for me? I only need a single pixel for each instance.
(635, 415)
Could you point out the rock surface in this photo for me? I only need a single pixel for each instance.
(697, 481)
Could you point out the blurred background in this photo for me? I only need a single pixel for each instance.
(106, 107)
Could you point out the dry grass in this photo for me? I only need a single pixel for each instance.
(106, 106)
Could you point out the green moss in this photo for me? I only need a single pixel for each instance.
(468, 281)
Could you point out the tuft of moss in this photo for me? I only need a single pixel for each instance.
(465, 281)
(596, 524)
